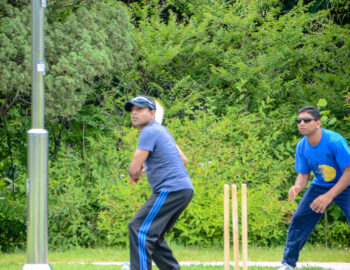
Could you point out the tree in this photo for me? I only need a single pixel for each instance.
(90, 45)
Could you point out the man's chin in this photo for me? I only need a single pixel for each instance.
(304, 132)
(139, 125)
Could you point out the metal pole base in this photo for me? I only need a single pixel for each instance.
(36, 266)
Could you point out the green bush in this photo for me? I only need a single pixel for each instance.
(234, 149)
(12, 223)
(223, 53)
(231, 75)
(91, 200)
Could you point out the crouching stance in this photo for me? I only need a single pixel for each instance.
(164, 163)
(327, 154)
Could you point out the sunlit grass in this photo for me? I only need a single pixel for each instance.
(59, 266)
(59, 259)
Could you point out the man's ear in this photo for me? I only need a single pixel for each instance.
(319, 123)
(153, 112)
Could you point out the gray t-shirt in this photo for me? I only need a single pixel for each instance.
(164, 167)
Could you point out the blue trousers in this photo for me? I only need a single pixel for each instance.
(305, 219)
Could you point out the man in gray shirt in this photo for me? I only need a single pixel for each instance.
(164, 163)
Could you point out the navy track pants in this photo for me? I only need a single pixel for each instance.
(147, 228)
(305, 219)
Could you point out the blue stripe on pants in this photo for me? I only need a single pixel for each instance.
(141, 238)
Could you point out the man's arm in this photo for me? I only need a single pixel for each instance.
(319, 205)
(136, 165)
(182, 155)
(300, 184)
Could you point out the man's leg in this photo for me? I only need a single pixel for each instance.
(162, 255)
(147, 228)
(303, 222)
(134, 227)
(343, 201)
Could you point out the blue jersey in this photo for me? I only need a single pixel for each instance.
(327, 159)
(164, 167)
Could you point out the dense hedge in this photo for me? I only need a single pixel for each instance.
(231, 76)
(91, 201)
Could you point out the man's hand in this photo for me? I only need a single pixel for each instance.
(137, 167)
(300, 184)
(293, 192)
(319, 205)
(133, 181)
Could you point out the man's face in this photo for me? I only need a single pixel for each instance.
(308, 127)
(141, 117)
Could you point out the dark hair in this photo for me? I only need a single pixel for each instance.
(311, 110)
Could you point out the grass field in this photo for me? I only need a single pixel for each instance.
(63, 259)
(15, 266)
(309, 253)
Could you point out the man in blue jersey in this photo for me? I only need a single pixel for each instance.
(327, 154)
(164, 163)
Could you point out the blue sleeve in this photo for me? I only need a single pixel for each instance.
(301, 164)
(147, 139)
(342, 153)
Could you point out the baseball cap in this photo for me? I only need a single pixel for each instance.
(141, 102)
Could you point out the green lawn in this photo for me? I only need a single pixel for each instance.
(16, 266)
(59, 259)
(309, 253)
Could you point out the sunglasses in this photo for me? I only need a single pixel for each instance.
(306, 120)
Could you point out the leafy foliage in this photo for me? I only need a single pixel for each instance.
(94, 45)
(231, 74)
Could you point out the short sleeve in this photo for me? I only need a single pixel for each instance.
(301, 164)
(342, 153)
(147, 139)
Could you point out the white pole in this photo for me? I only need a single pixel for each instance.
(37, 180)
